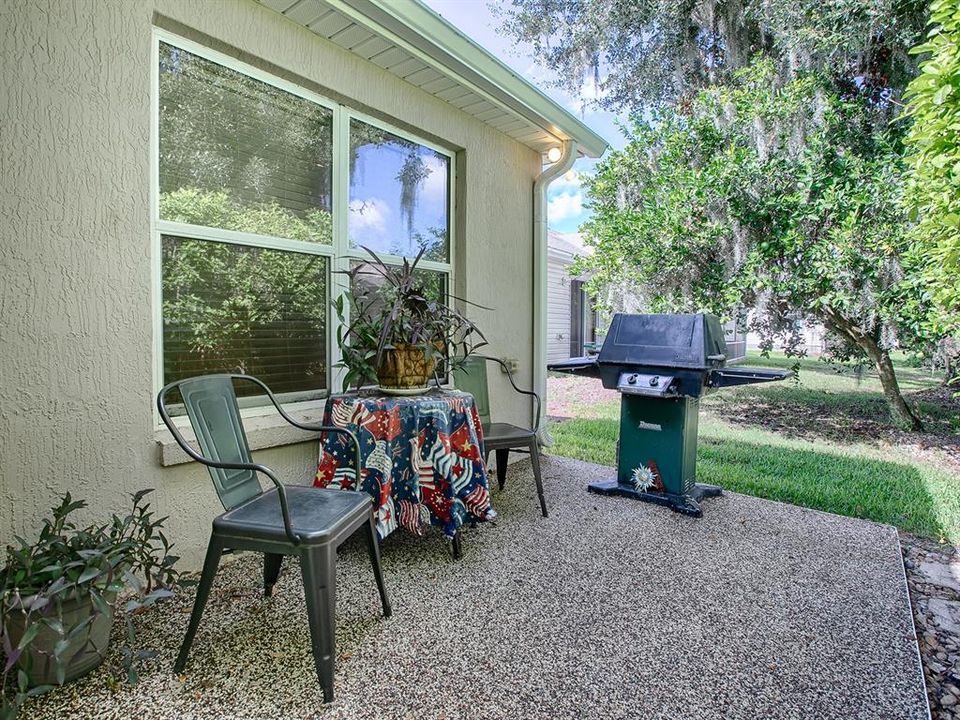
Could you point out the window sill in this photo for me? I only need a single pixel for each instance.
(264, 427)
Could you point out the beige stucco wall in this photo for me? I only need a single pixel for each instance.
(76, 387)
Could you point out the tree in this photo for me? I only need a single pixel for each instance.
(764, 163)
(783, 197)
(642, 53)
(933, 188)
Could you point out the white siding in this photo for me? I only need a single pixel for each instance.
(558, 309)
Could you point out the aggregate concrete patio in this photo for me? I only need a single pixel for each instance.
(607, 609)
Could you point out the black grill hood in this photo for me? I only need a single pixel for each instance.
(686, 353)
(690, 342)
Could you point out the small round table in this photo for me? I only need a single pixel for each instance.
(422, 458)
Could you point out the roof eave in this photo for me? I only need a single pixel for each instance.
(425, 33)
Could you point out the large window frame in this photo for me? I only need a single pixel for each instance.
(339, 254)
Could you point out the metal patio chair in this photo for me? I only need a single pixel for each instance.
(501, 437)
(303, 521)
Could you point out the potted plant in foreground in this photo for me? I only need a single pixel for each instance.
(399, 328)
(59, 594)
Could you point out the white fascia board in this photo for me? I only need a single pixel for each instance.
(425, 34)
(561, 255)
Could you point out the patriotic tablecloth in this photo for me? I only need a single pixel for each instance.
(422, 458)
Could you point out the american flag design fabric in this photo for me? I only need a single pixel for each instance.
(421, 457)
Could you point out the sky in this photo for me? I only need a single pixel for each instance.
(566, 209)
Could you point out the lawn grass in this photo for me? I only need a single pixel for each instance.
(824, 441)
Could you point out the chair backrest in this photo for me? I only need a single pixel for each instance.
(211, 405)
(471, 377)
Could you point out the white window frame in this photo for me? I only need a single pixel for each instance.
(339, 253)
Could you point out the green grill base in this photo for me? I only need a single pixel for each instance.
(660, 434)
(685, 504)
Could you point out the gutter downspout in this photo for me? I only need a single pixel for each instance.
(540, 186)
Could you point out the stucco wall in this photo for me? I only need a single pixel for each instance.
(76, 388)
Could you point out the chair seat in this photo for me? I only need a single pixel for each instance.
(505, 435)
(316, 514)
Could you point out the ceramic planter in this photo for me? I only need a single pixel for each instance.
(82, 655)
(405, 367)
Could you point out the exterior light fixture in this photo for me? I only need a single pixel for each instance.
(553, 154)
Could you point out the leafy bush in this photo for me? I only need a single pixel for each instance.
(782, 197)
(934, 161)
(68, 562)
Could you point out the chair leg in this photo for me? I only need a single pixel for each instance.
(502, 456)
(210, 565)
(319, 566)
(271, 571)
(373, 544)
(535, 462)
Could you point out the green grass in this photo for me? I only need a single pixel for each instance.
(826, 442)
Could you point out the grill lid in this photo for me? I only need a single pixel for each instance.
(694, 342)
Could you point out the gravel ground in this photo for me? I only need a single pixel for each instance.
(607, 609)
(933, 572)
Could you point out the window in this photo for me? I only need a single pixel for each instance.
(245, 309)
(247, 210)
(399, 194)
(583, 319)
(239, 154)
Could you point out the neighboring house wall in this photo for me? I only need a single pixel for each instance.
(560, 257)
(814, 339)
(76, 358)
(558, 308)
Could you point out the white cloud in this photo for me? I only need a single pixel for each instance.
(570, 180)
(592, 91)
(369, 215)
(565, 205)
(435, 184)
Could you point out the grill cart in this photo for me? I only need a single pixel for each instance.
(662, 365)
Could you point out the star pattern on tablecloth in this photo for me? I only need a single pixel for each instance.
(421, 458)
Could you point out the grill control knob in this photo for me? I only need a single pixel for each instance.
(632, 380)
(654, 381)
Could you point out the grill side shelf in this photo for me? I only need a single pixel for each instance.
(729, 377)
(586, 366)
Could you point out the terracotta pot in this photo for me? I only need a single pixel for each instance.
(405, 366)
(90, 647)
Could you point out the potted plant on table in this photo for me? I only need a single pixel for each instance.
(398, 327)
(60, 591)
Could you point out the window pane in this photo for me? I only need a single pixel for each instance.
(434, 282)
(239, 154)
(230, 308)
(399, 194)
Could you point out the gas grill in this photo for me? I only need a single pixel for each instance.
(662, 365)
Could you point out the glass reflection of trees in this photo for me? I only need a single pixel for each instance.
(239, 154)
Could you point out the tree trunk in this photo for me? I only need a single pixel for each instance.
(880, 358)
(951, 350)
(891, 388)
